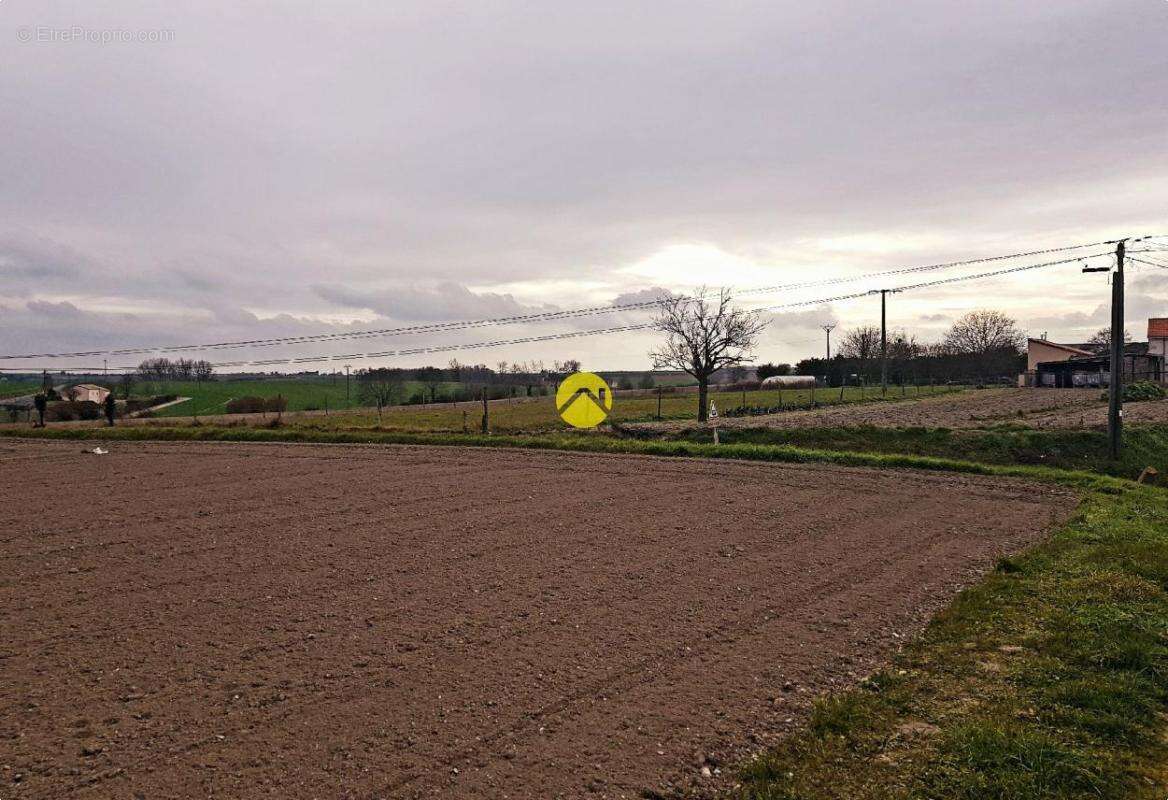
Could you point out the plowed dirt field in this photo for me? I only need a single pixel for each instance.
(242, 621)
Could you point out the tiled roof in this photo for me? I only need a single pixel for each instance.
(1070, 348)
(1158, 328)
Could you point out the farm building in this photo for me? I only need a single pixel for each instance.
(1095, 370)
(1052, 364)
(83, 392)
(1041, 351)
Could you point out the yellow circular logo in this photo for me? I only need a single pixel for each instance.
(583, 399)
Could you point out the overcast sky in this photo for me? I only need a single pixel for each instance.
(243, 170)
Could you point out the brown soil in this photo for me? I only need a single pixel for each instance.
(974, 408)
(287, 621)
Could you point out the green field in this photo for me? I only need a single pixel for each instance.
(303, 394)
(17, 388)
(520, 415)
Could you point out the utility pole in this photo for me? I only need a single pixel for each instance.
(883, 338)
(1115, 401)
(1115, 359)
(827, 365)
(828, 329)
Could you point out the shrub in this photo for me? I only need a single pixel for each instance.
(1142, 390)
(68, 410)
(246, 405)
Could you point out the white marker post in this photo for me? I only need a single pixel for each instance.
(714, 420)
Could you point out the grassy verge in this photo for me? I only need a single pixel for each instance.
(1047, 680)
(584, 442)
(1063, 449)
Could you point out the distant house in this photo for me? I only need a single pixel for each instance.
(1040, 351)
(86, 392)
(1158, 336)
(1068, 366)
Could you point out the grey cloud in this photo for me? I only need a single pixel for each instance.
(60, 310)
(298, 162)
(641, 296)
(443, 301)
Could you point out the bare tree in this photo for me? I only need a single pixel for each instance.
(432, 378)
(903, 346)
(127, 382)
(1100, 341)
(861, 344)
(567, 367)
(981, 332)
(203, 370)
(381, 386)
(704, 333)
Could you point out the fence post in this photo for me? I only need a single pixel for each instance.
(658, 402)
(843, 385)
(486, 420)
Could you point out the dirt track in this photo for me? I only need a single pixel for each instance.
(239, 621)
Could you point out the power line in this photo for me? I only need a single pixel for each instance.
(1149, 263)
(547, 316)
(635, 327)
(618, 329)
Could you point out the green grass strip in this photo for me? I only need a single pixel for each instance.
(591, 443)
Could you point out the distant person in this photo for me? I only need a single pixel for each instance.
(110, 408)
(41, 403)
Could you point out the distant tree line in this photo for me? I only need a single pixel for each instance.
(458, 382)
(982, 346)
(182, 369)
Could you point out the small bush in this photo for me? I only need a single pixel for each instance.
(246, 405)
(1143, 390)
(68, 410)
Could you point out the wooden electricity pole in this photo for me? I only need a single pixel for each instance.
(883, 338)
(1115, 358)
(883, 342)
(1115, 400)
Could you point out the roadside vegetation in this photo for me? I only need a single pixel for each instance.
(1074, 449)
(1047, 680)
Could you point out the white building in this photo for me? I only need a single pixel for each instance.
(86, 391)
